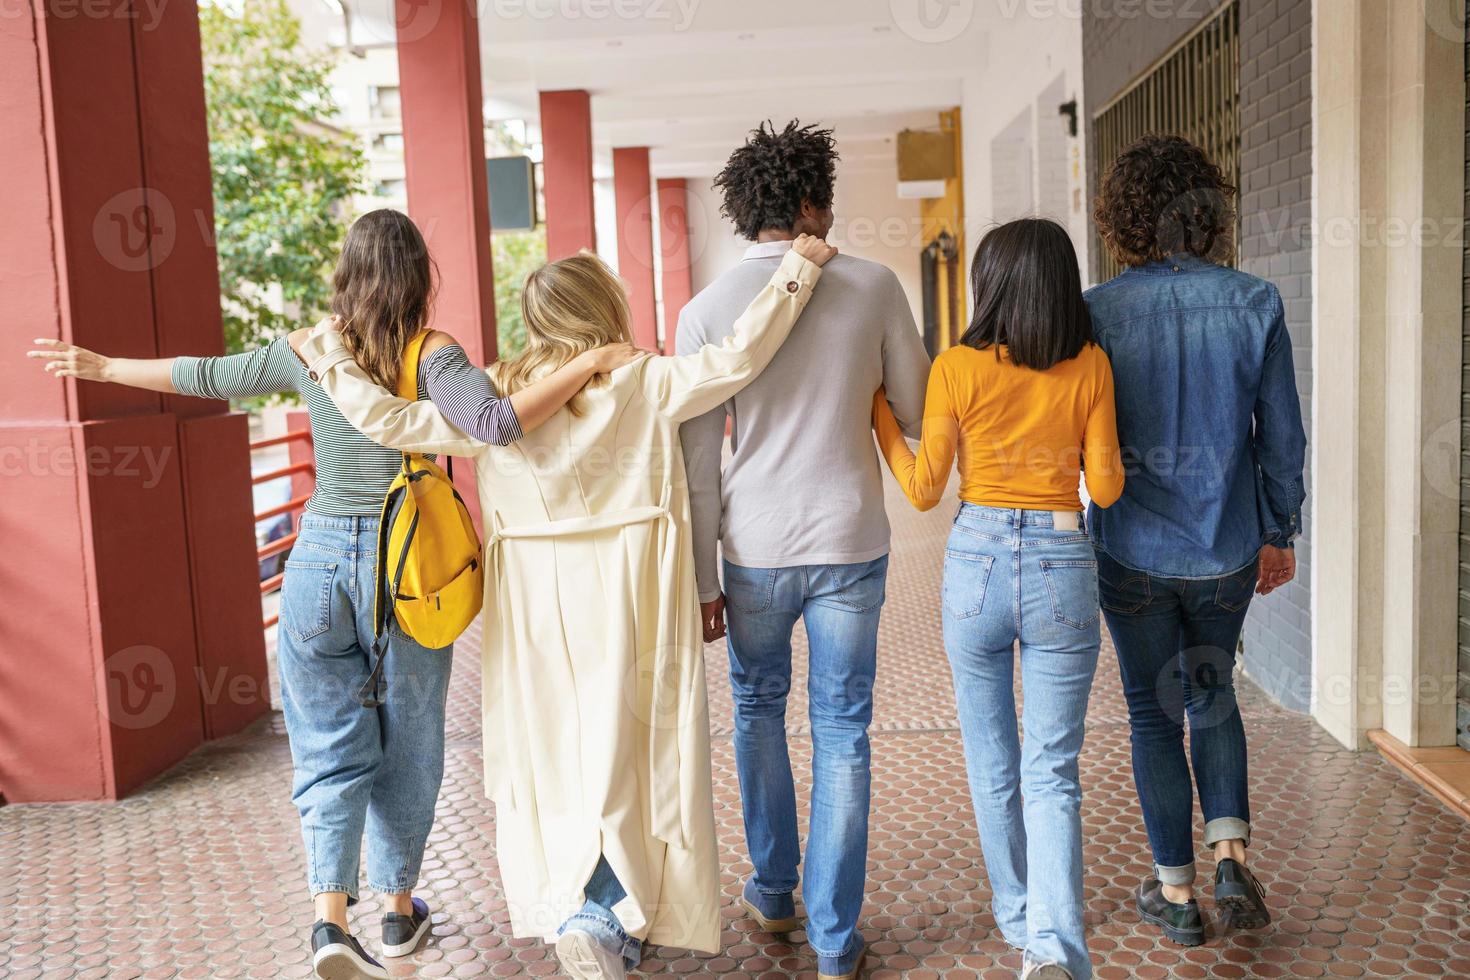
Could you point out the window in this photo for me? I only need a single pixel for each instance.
(386, 101)
(1194, 93)
(388, 143)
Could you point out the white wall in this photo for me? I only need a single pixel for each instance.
(1019, 159)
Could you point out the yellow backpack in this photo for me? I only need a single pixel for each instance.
(430, 569)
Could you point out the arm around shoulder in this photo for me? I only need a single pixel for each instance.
(690, 385)
(412, 427)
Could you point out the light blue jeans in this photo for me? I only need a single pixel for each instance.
(1010, 576)
(356, 768)
(840, 605)
(597, 918)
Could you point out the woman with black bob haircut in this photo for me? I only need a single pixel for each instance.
(1026, 401)
(1028, 295)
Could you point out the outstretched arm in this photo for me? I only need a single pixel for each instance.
(264, 371)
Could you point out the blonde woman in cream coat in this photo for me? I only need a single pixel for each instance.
(596, 736)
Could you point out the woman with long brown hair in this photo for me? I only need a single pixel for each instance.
(355, 769)
(596, 735)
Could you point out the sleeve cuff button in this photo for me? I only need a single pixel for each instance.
(793, 286)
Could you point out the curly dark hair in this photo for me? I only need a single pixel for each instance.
(1162, 196)
(767, 179)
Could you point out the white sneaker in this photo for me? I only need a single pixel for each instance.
(584, 958)
(1045, 971)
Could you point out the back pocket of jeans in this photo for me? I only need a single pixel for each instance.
(966, 577)
(1235, 591)
(1072, 584)
(751, 590)
(306, 598)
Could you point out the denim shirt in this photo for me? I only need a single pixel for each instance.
(1209, 419)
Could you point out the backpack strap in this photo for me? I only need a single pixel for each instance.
(371, 693)
(408, 373)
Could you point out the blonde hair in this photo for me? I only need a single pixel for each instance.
(569, 307)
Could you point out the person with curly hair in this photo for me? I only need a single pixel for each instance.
(1210, 425)
(799, 511)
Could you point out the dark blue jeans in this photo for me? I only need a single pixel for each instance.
(1176, 641)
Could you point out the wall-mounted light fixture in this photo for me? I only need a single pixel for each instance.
(1069, 109)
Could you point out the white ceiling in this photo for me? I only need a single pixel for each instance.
(689, 78)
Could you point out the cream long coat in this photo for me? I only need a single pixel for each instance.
(596, 734)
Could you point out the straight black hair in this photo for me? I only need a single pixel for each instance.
(1028, 295)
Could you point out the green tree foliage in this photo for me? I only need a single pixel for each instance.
(284, 179)
(515, 255)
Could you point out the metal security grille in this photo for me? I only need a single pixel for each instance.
(1193, 92)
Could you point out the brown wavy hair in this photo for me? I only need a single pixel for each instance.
(1163, 196)
(383, 291)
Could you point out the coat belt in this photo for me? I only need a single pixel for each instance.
(581, 525)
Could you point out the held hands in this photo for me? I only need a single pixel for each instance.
(1278, 566)
(65, 360)
(813, 249)
(712, 615)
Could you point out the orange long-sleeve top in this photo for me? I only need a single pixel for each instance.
(1022, 436)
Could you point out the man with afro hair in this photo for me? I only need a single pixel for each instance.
(799, 511)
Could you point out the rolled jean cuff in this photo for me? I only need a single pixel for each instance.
(322, 887)
(603, 926)
(1177, 876)
(1227, 828)
(390, 889)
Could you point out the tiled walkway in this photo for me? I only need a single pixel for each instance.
(201, 876)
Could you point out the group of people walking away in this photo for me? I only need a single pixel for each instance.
(606, 502)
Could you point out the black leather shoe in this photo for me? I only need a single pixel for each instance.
(1240, 897)
(1180, 923)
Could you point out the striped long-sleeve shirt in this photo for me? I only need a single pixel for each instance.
(352, 472)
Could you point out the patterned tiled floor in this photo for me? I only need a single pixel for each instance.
(200, 875)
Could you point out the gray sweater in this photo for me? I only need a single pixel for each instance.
(803, 485)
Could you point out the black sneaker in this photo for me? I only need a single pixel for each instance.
(1240, 897)
(402, 933)
(337, 956)
(1181, 923)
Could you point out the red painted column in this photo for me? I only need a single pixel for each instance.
(115, 518)
(214, 443)
(566, 172)
(444, 161)
(633, 191)
(676, 283)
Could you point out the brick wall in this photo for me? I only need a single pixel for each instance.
(1276, 212)
(1275, 202)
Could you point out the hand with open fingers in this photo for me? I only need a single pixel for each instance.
(65, 360)
(815, 250)
(609, 357)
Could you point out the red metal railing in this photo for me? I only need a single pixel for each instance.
(295, 504)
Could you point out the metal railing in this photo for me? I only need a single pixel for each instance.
(297, 503)
(1194, 92)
